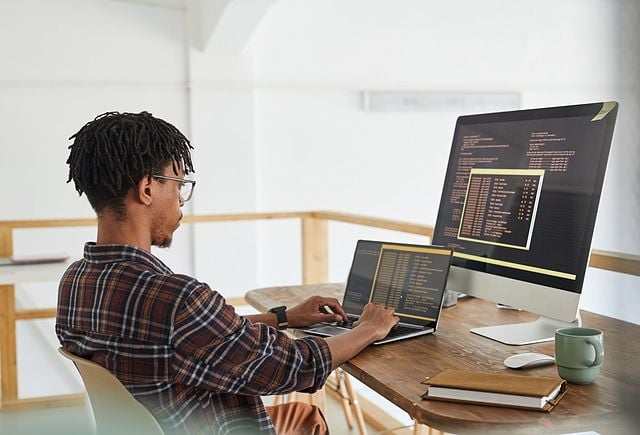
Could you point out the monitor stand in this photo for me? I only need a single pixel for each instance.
(517, 334)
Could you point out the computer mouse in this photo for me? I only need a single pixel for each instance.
(528, 360)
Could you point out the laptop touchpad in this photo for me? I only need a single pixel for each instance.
(329, 330)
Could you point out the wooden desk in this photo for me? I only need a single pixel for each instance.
(395, 370)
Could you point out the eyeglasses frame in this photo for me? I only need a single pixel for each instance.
(180, 180)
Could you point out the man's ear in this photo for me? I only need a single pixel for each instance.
(144, 190)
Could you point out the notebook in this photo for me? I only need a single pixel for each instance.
(409, 278)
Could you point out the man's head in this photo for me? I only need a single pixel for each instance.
(113, 153)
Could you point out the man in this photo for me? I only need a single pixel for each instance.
(170, 339)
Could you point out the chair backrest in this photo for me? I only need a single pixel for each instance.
(115, 410)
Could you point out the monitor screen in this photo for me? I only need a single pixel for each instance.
(522, 189)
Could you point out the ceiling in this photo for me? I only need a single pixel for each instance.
(224, 26)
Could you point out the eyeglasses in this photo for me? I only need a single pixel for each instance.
(186, 186)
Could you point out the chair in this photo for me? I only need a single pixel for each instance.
(115, 410)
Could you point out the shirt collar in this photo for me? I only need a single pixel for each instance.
(101, 254)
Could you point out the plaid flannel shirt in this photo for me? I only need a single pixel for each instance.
(177, 346)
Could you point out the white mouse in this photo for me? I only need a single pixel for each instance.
(528, 360)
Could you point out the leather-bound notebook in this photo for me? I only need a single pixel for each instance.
(496, 389)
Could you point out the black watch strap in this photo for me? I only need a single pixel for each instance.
(281, 314)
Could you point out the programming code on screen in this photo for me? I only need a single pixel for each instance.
(410, 279)
(522, 190)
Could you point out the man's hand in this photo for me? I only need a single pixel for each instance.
(375, 323)
(378, 317)
(313, 311)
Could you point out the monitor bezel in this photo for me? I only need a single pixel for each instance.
(579, 110)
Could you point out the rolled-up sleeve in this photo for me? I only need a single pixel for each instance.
(216, 349)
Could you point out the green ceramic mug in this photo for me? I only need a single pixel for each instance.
(579, 354)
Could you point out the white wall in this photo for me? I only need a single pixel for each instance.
(63, 63)
(223, 134)
(317, 148)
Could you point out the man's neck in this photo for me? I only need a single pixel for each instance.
(112, 231)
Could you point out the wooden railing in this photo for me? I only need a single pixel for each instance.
(315, 252)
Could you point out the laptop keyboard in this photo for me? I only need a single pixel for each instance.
(398, 330)
(401, 330)
(347, 323)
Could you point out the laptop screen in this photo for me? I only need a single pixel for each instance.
(409, 278)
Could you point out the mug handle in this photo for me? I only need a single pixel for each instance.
(597, 347)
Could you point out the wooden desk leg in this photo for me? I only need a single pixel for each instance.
(344, 396)
(355, 405)
(421, 429)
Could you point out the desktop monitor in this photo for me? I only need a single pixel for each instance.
(519, 206)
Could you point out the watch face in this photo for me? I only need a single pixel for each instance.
(281, 315)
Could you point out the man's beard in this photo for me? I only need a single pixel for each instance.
(165, 240)
(164, 243)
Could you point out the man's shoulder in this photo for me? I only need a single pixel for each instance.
(130, 289)
(178, 280)
(147, 276)
(132, 273)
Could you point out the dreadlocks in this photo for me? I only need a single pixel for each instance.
(112, 153)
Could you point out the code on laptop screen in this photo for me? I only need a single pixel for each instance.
(409, 278)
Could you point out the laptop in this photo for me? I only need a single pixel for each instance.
(409, 278)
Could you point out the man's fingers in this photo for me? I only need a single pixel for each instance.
(334, 306)
(330, 318)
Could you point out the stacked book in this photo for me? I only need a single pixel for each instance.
(497, 389)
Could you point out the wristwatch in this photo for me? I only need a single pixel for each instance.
(281, 314)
